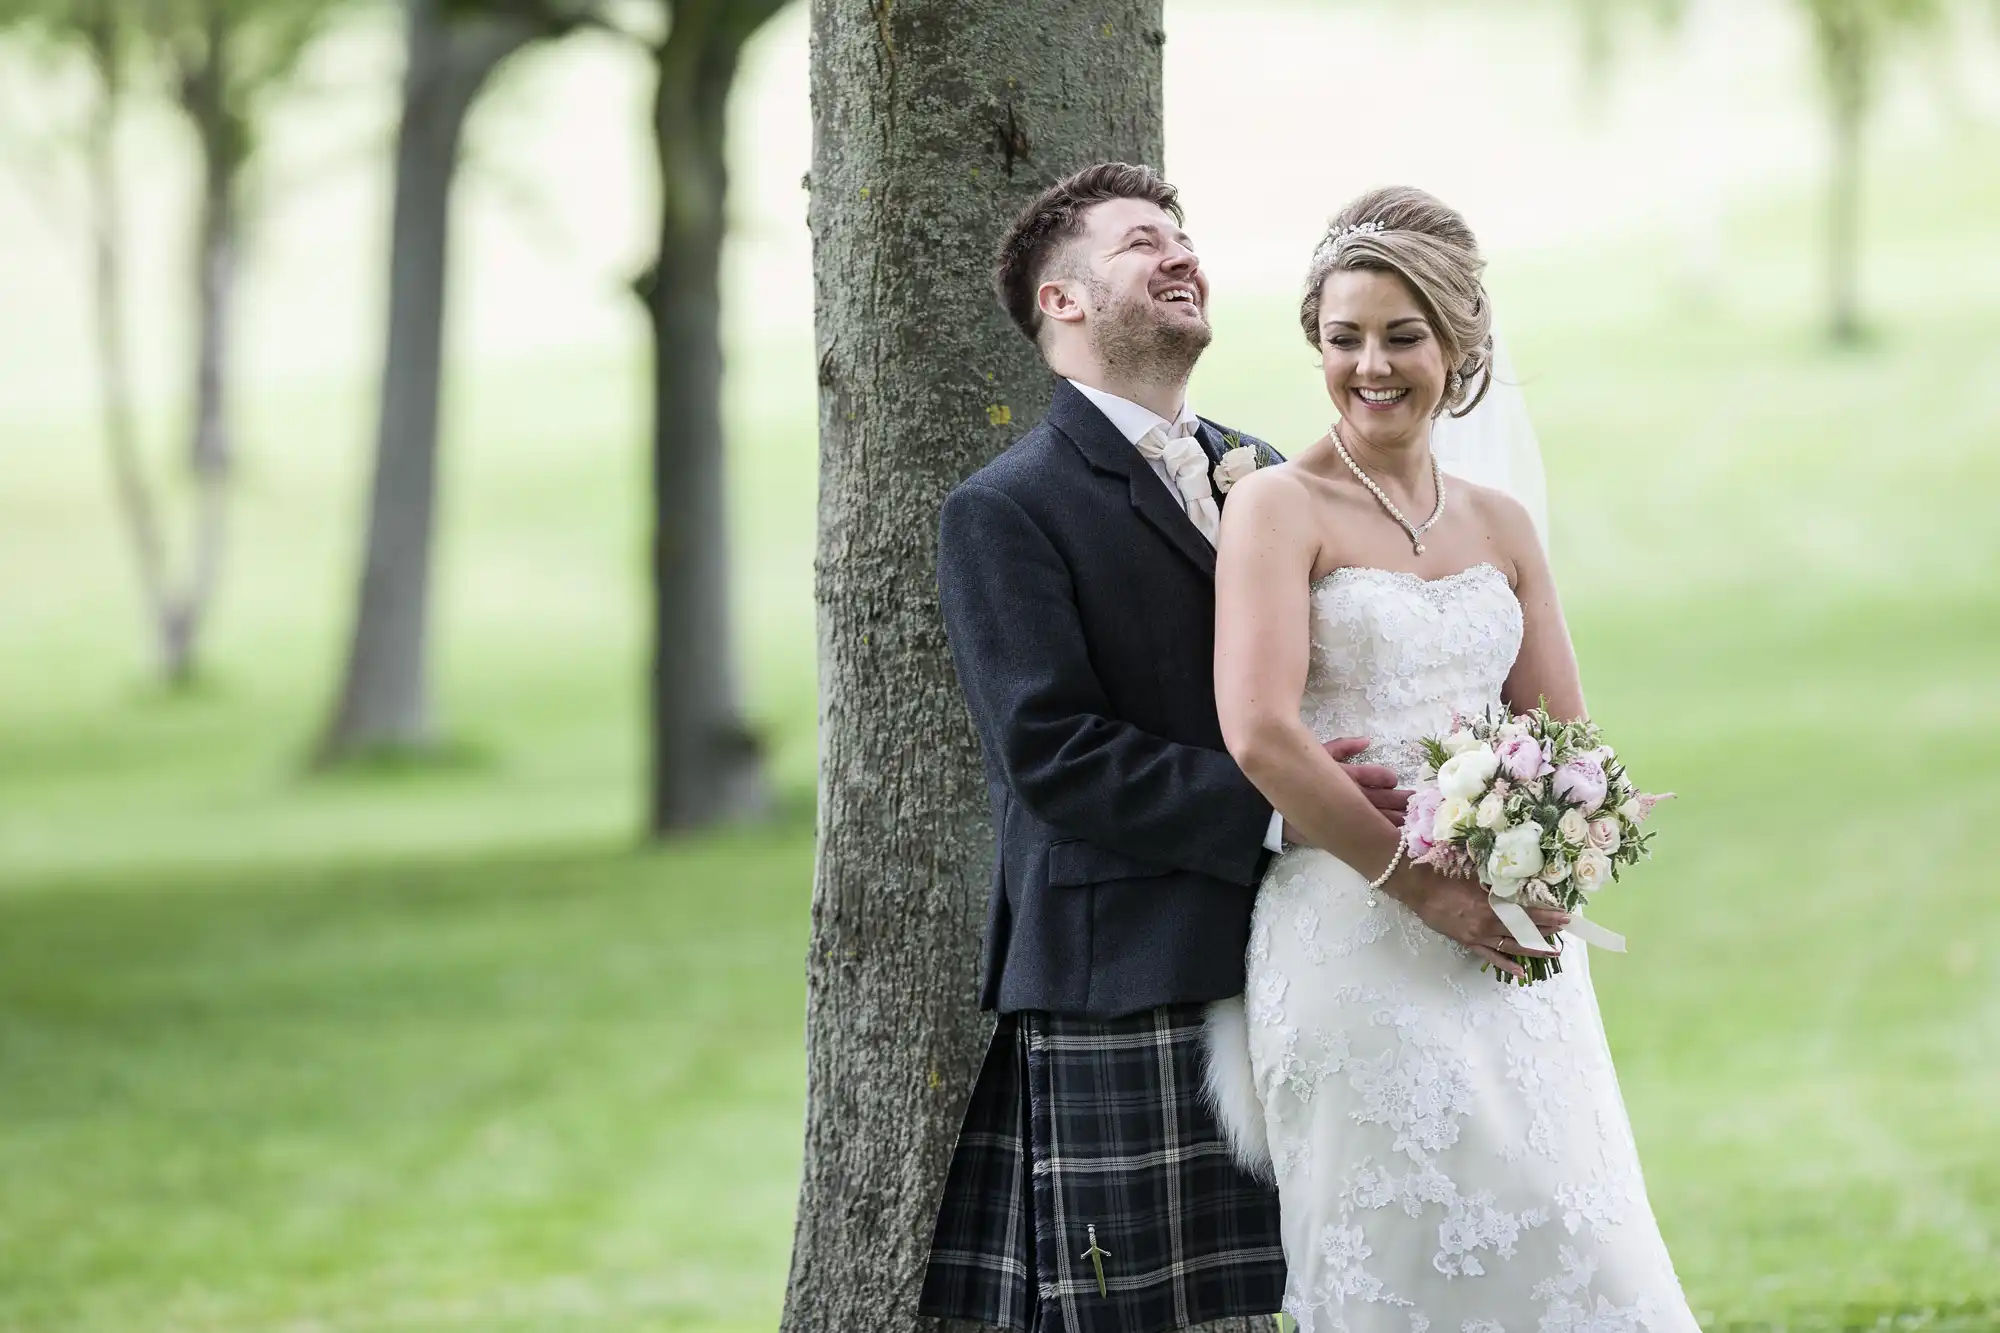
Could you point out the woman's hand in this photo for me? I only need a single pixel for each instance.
(1458, 910)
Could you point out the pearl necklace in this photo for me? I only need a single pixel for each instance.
(1416, 531)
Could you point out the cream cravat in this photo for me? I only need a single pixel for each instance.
(1187, 463)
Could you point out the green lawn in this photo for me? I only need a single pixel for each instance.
(441, 1049)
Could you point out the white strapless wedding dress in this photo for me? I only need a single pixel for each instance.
(1452, 1155)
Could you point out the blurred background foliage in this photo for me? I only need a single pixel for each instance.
(432, 1031)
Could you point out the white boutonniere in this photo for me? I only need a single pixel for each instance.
(1239, 460)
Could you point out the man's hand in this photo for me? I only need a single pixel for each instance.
(1377, 783)
(1457, 909)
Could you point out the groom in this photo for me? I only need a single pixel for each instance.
(1091, 1190)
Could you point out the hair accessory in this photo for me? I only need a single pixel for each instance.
(1339, 237)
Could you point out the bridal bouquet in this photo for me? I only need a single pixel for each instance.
(1539, 811)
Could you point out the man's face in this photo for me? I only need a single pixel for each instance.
(1143, 293)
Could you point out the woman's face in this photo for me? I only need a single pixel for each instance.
(1384, 366)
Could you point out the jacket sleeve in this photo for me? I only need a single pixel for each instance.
(1017, 641)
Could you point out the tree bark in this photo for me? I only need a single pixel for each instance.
(934, 122)
(384, 700)
(706, 764)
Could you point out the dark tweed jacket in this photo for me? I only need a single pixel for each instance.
(1080, 606)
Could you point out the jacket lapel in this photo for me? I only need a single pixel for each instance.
(1105, 449)
(1212, 441)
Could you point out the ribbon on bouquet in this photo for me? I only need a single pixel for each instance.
(1524, 932)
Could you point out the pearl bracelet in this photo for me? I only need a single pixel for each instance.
(1383, 878)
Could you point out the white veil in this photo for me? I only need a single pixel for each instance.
(1495, 445)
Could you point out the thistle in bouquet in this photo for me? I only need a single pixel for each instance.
(1539, 810)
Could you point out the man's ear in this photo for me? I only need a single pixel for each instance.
(1058, 299)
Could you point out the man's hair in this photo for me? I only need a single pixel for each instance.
(1052, 220)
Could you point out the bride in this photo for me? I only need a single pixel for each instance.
(1451, 1154)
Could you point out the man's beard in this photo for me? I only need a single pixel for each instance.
(1138, 341)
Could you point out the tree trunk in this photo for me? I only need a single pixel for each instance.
(706, 764)
(384, 699)
(934, 122)
(114, 362)
(217, 253)
(1846, 51)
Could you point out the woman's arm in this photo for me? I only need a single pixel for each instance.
(1546, 668)
(1263, 574)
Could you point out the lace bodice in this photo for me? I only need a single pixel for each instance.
(1395, 655)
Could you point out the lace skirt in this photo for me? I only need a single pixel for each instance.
(1451, 1153)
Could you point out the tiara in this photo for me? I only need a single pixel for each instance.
(1339, 237)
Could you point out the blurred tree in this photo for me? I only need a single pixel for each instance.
(934, 122)
(706, 765)
(453, 49)
(705, 761)
(220, 60)
(1601, 24)
(1851, 38)
(96, 31)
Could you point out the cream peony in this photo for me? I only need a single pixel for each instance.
(1492, 812)
(1459, 742)
(1465, 775)
(1454, 813)
(1575, 829)
(1234, 466)
(1593, 871)
(1517, 853)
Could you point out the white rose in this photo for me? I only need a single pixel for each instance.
(1517, 854)
(1509, 730)
(1234, 466)
(1459, 742)
(1605, 835)
(1575, 829)
(1593, 871)
(1465, 775)
(1453, 814)
(1555, 869)
(1632, 812)
(1492, 812)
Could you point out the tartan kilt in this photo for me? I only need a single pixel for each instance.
(1091, 1133)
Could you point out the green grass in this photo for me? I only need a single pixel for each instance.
(440, 1049)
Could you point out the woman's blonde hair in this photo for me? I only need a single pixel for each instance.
(1426, 243)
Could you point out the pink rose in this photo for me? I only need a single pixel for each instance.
(1581, 782)
(1605, 835)
(1521, 758)
(1418, 818)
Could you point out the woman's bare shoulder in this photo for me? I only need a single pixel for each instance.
(1280, 489)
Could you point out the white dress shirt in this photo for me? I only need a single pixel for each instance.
(1133, 421)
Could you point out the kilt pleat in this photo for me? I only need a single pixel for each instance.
(1091, 1134)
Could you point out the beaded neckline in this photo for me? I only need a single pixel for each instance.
(1408, 577)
